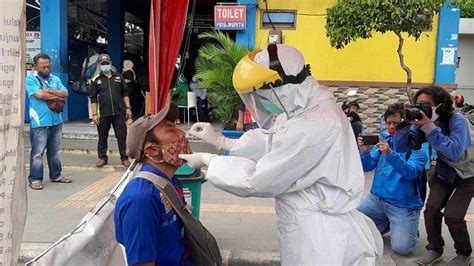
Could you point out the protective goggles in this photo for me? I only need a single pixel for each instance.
(249, 76)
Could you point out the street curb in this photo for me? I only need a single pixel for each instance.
(110, 152)
(230, 257)
(251, 257)
(86, 136)
(106, 168)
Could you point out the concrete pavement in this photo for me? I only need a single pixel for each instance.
(244, 227)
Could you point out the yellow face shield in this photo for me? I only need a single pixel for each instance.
(249, 76)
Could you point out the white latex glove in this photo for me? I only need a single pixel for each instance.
(197, 160)
(206, 132)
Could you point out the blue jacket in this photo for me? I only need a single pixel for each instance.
(398, 177)
(450, 140)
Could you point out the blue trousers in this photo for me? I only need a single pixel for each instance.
(402, 223)
(49, 139)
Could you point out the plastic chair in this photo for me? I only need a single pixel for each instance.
(192, 103)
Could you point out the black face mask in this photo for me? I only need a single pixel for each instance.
(276, 65)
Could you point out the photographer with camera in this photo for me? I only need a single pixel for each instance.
(398, 187)
(351, 109)
(451, 185)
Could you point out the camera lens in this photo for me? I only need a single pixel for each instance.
(411, 113)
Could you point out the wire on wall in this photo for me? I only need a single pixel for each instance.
(268, 14)
(296, 13)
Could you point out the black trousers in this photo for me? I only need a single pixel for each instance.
(454, 199)
(120, 129)
(202, 110)
(137, 102)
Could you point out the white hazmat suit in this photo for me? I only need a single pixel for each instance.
(309, 162)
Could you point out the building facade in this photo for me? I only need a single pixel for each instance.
(370, 65)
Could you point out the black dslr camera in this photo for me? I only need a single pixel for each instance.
(413, 112)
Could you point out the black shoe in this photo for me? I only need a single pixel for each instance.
(101, 163)
(126, 163)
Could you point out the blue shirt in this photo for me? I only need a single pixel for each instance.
(40, 114)
(149, 229)
(398, 177)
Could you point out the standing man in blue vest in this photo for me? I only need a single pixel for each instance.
(45, 124)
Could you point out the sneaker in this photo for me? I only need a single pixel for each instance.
(101, 163)
(126, 163)
(429, 258)
(460, 260)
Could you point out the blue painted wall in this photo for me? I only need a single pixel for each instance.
(54, 39)
(115, 31)
(247, 37)
(448, 30)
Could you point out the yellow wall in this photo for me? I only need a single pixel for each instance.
(373, 60)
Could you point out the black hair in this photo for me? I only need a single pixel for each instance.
(96, 50)
(355, 104)
(441, 97)
(41, 56)
(393, 109)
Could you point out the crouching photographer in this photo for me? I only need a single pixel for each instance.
(399, 185)
(451, 184)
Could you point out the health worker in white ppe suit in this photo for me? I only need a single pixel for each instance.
(304, 155)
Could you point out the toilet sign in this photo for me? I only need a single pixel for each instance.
(230, 17)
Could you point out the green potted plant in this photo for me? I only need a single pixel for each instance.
(215, 64)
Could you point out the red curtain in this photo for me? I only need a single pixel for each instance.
(167, 22)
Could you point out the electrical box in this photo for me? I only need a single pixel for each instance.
(274, 36)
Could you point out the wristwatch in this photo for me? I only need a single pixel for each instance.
(128, 107)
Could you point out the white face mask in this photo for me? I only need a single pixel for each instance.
(434, 115)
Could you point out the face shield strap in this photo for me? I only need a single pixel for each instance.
(276, 65)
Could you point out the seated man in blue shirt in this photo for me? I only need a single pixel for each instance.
(398, 187)
(145, 222)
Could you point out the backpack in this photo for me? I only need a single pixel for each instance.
(81, 87)
(204, 248)
(468, 112)
(90, 70)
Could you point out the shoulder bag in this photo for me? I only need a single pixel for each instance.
(56, 105)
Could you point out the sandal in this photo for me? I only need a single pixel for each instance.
(36, 185)
(63, 180)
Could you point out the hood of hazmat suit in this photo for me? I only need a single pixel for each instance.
(305, 156)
